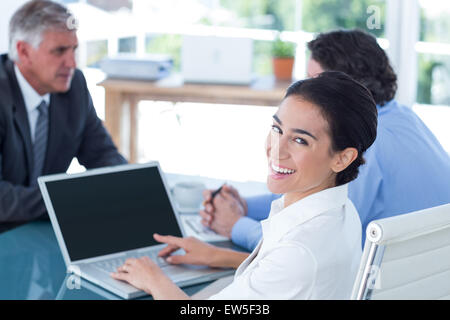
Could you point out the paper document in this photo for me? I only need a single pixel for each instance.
(193, 227)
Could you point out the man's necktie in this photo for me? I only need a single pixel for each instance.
(40, 142)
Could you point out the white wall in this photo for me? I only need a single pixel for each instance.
(7, 9)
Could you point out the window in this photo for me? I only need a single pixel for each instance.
(433, 79)
(259, 14)
(325, 15)
(169, 44)
(95, 51)
(433, 73)
(127, 45)
(434, 53)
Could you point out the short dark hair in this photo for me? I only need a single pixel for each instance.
(349, 109)
(358, 54)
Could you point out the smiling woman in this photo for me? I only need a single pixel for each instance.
(350, 114)
(311, 245)
(318, 140)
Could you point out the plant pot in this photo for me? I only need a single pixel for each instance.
(282, 67)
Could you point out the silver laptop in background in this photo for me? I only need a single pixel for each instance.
(104, 216)
(217, 60)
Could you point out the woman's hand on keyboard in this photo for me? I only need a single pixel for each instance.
(197, 252)
(145, 274)
(138, 272)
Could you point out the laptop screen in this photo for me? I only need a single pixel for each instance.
(112, 212)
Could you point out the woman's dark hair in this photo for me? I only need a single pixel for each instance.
(349, 109)
(358, 54)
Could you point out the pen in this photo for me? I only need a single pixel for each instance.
(215, 193)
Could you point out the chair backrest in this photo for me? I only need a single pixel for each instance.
(406, 257)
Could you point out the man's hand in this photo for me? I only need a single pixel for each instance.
(224, 210)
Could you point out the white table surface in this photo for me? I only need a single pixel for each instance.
(246, 189)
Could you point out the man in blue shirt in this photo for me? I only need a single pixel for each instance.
(406, 168)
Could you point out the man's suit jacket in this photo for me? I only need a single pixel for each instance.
(74, 131)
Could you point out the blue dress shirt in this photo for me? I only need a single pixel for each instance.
(406, 170)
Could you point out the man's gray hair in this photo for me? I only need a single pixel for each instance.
(35, 17)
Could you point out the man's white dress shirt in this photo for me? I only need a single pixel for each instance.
(309, 250)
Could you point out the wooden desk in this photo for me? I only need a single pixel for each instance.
(123, 96)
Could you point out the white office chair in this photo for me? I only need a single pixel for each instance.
(406, 257)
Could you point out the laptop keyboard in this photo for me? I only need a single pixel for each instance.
(112, 264)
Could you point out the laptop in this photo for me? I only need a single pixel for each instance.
(217, 60)
(102, 217)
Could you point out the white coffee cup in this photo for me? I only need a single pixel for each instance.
(188, 194)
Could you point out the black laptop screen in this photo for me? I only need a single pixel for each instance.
(112, 212)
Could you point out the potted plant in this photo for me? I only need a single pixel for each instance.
(283, 59)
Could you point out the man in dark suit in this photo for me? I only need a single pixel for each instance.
(46, 113)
